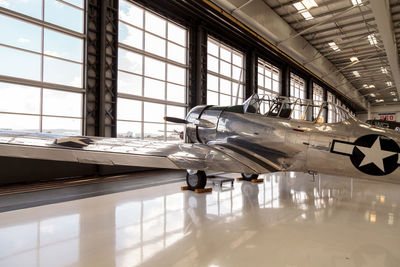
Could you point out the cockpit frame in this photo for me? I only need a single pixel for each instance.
(291, 108)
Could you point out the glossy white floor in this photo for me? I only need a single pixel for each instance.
(286, 221)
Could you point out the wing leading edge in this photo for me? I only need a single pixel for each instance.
(124, 152)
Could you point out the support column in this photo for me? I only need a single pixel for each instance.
(102, 68)
(309, 88)
(251, 73)
(285, 81)
(198, 66)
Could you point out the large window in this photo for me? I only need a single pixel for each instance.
(332, 114)
(318, 98)
(268, 83)
(41, 68)
(152, 67)
(297, 90)
(225, 74)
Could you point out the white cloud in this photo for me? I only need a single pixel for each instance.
(52, 53)
(23, 40)
(76, 82)
(4, 3)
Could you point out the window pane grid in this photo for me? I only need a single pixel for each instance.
(318, 98)
(297, 89)
(332, 114)
(225, 74)
(268, 83)
(152, 74)
(35, 53)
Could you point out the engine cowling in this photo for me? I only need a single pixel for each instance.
(202, 123)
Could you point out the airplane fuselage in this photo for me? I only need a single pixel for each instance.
(349, 148)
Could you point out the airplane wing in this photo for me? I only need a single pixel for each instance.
(124, 152)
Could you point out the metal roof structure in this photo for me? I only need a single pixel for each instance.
(355, 36)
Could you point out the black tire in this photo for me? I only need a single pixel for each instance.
(197, 180)
(249, 177)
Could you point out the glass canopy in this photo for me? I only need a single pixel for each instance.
(295, 108)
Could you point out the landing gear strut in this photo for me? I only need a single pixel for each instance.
(196, 179)
(249, 177)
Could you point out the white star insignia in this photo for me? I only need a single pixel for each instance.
(375, 155)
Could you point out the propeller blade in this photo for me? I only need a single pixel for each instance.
(175, 120)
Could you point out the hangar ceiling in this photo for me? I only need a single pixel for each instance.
(346, 33)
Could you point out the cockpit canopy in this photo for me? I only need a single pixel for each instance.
(296, 109)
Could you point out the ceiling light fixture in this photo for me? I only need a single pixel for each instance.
(384, 70)
(395, 99)
(393, 93)
(365, 85)
(305, 4)
(353, 59)
(334, 46)
(371, 86)
(299, 6)
(356, 73)
(307, 15)
(356, 2)
(309, 3)
(303, 7)
(379, 100)
(373, 95)
(372, 40)
(389, 83)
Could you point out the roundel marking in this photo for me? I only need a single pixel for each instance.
(371, 154)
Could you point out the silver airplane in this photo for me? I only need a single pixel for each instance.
(262, 135)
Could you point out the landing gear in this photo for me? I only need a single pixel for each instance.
(249, 177)
(196, 179)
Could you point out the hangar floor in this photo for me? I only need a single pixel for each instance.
(287, 220)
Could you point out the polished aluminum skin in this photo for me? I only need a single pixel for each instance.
(290, 137)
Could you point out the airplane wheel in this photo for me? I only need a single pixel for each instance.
(249, 177)
(196, 180)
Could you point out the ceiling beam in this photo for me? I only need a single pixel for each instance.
(383, 18)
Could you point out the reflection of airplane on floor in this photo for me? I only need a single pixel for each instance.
(260, 136)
